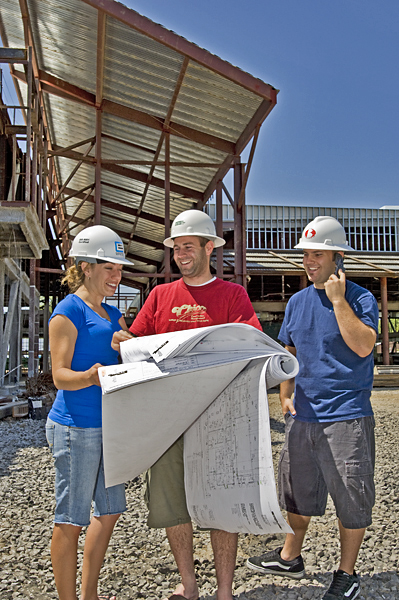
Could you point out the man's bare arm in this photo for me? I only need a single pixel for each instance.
(287, 390)
(357, 335)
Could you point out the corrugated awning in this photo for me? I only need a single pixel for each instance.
(357, 264)
(135, 113)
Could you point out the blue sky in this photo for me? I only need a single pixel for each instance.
(333, 138)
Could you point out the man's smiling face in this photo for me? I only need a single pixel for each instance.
(319, 265)
(191, 257)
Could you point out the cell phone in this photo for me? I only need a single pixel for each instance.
(339, 263)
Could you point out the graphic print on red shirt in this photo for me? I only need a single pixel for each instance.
(177, 306)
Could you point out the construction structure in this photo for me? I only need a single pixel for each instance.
(125, 124)
(122, 122)
(275, 269)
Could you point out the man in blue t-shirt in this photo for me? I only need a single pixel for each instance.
(331, 327)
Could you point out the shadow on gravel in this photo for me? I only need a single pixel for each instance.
(17, 435)
(276, 425)
(378, 586)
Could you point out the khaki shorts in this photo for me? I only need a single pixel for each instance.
(164, 494)
(335, 458)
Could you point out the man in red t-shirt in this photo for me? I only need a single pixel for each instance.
(196, 300)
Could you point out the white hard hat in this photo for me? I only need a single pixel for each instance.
(324, 233)
(98, 242)
(193, 222)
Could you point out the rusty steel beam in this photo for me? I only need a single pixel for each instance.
(81, 160)
(162, 163)
(219, 228)
(125, 235)
(48, 270)
(29, 42)
(116, 206)
(153, 275)
(188, 133)
(167, 207)
(107, 136)
(90, 140)
(69, 218)
(101, 22)
(13, 55)
(143, 259)
(97, 178)
(182, 46)
(59, 87)
(219, 176)
(260, 115)
(249, 165)
(136, 175)
(239, 227)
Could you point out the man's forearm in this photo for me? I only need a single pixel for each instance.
(286, 390)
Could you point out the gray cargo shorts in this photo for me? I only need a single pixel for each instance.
(336, 458)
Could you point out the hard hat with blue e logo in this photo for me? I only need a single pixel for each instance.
(98, 243)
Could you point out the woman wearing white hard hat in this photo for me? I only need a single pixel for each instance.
(80, 331)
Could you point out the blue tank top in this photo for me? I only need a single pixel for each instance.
(82, 408)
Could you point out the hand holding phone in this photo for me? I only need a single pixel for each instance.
(339, 263)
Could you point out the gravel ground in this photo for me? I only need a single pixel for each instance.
(138, 562)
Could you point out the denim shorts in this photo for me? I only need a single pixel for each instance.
(79, 475)
(336, 458)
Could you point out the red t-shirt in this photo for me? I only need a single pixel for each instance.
(177, 306)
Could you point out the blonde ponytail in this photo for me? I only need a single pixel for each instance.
(73, 278)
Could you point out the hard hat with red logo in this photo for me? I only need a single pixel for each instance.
(324, 233)
(193, 222)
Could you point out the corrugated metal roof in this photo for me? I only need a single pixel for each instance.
(277, 262)
(146, 82)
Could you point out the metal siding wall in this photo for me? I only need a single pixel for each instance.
(277, 224)
(279, 227)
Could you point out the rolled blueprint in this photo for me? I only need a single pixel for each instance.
(164, 389)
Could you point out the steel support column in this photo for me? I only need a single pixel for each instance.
(239, 226)
(6, 334)
(28, 128)
(384, 320)
(219, 228)
(32, 317)
(33, 187)
(14, 363)
(303, 281)
(97, 210)
(167, 206)
(2, 297)
(14, 169)
(46, 316)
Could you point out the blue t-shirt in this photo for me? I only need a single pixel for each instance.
(333, 383)
(82, 408)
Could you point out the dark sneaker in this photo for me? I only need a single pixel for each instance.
(343, 587)
(272, 563)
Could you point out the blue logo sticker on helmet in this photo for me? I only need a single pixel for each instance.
(119, 247)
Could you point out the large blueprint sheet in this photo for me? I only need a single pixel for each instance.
(229, 476)
(171, 380)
